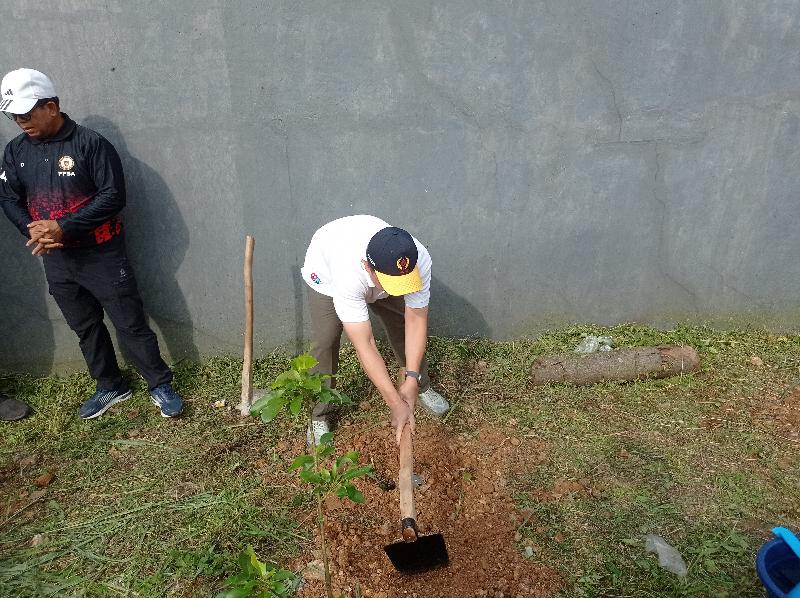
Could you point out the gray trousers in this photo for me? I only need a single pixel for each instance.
(327, 335)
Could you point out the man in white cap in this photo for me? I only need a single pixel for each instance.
(62, 186)
(360, 261)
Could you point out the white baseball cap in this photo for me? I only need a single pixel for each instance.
(22, 88)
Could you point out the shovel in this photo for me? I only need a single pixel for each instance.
(249, 394)
(414, 553)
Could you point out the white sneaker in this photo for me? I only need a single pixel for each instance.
(434, 403)
(318, 427)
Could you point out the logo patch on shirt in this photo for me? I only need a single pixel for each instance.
(316, 279)
(66, 163)
(3, 177)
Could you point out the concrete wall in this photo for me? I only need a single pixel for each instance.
(564, 161)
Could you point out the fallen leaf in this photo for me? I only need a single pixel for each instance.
(44, 479)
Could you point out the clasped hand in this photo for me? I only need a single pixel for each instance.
(46, 235)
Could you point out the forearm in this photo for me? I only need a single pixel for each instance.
(416, 329)
(18, 216)
(376, 371)
(96, 213)
(360, 334)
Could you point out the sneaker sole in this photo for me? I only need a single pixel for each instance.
(164, 415)
(119, 399)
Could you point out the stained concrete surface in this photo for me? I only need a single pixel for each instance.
(564, 162)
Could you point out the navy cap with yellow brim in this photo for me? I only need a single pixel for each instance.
(400, 285)
(392, 254)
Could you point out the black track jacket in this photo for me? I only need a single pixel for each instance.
(74, 177)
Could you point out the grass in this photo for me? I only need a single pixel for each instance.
(152, 507)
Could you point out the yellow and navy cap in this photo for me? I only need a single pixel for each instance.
(392, 254)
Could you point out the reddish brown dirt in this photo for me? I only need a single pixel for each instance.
(465, 496)
(785, 413)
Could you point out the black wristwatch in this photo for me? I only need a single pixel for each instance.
(413, 374)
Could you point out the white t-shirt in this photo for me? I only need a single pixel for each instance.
(333, 267)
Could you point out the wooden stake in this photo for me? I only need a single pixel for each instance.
(247, 366)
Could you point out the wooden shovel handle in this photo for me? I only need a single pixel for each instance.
(247, 366)
(408, 509)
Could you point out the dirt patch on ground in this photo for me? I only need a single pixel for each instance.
(465, 495)
(785, 412)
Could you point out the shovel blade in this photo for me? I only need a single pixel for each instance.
(425, 553)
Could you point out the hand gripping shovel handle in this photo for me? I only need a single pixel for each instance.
(408, 509)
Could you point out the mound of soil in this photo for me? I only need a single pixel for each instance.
(464, 495)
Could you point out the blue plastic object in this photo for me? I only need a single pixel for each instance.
(787, 536)
(778, 567)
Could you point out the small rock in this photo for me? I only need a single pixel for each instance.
(515, 442)
(28, 461)
(757, 361)
(528, 552)
(37, 540)
(37, 495)
(314, 570)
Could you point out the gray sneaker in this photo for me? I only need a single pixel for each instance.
(434, 403)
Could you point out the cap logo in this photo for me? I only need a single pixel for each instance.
(66, 163)
(9, 92)
(402, 264)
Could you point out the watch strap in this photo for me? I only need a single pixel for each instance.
(413, 374)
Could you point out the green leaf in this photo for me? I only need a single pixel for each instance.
(348, 457)
(296, 405)
(304, 362)
(357, 472)
(284, 575)
(256, 407)
(326, 438)
(272, 408)
(331, 395)
(341, 492)
(286, 379)
(313, 383)
(257, 565)
(324, 451)
(243, 591)
(244, 562)
(310, 476)
(354, 494)
(301, 461)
